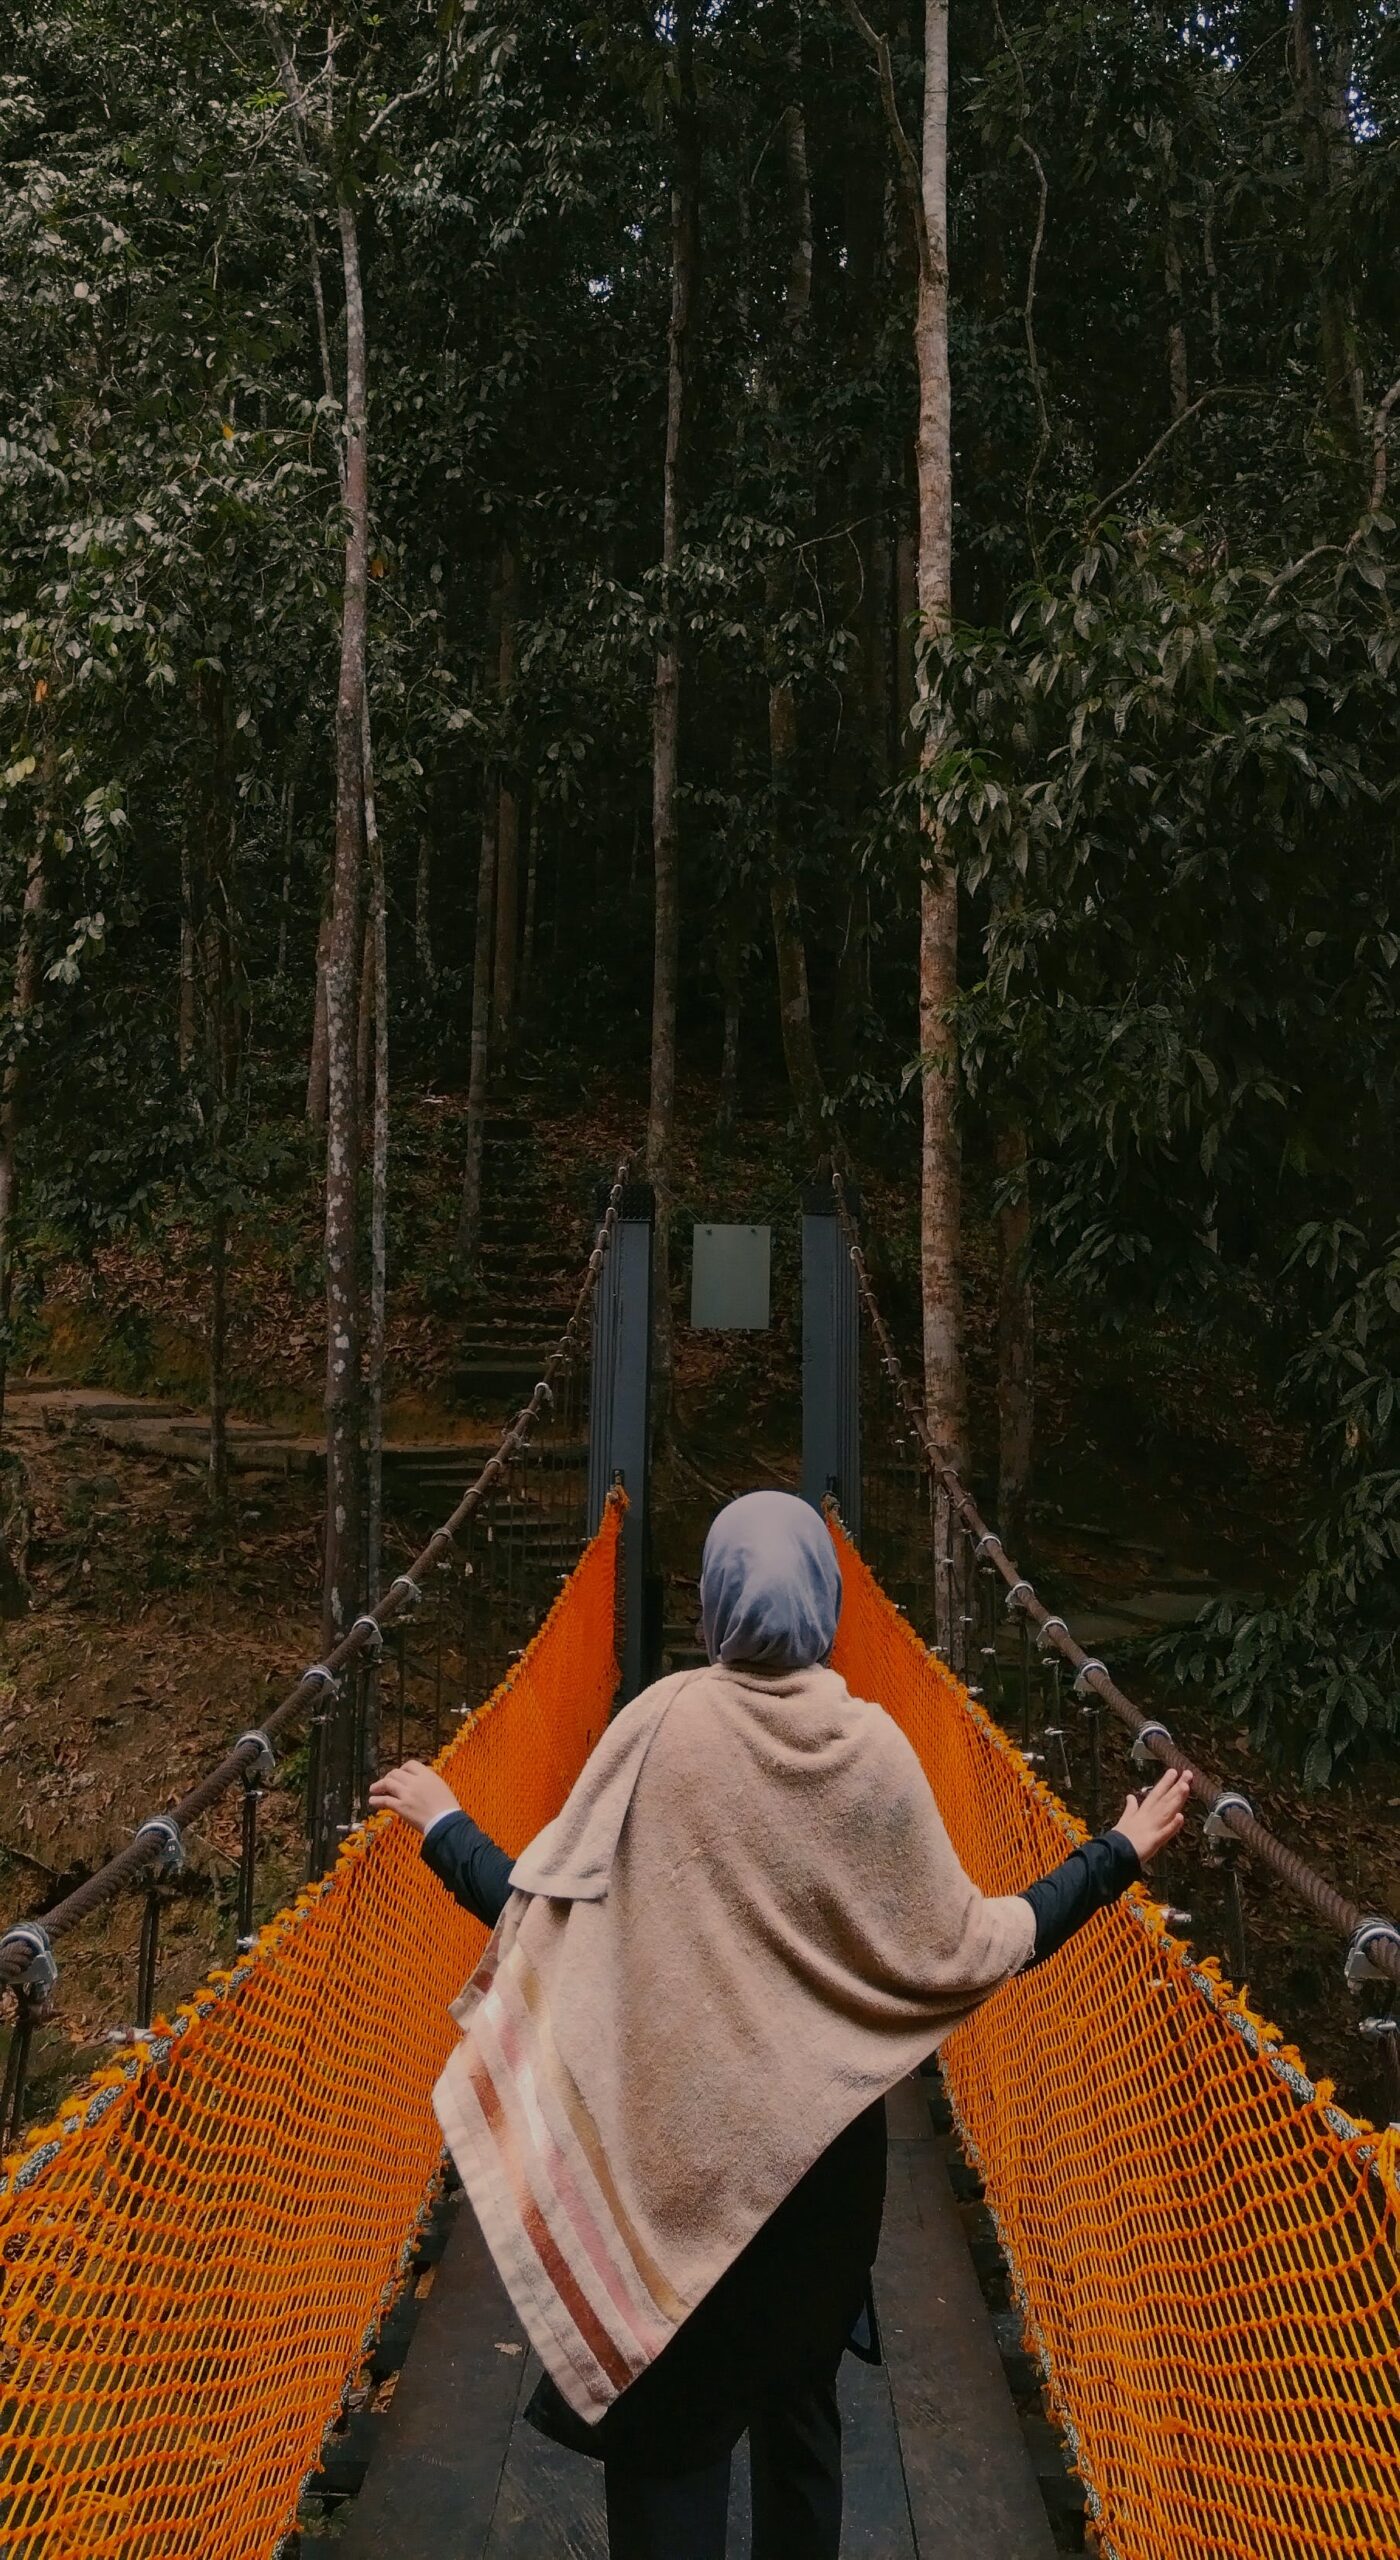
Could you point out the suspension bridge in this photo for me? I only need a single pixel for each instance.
(211, 2255)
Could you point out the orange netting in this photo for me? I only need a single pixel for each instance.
(1208, 2253)
(193, 2257)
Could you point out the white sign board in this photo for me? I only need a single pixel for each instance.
(729, 1282)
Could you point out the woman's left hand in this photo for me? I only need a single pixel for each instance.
(415, 1791)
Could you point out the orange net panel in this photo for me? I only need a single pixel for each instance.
(1207, 2252)
(194, 2256)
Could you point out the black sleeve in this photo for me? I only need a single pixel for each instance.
(475, 1872)
(1091, 1877)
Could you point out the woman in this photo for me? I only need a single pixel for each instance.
(667, 2107)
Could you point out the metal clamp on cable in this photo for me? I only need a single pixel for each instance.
(320, 1671)
(412, 1591)
(1139, 1754)
(990, 1540)
(374, 1636)
(172, 1852)
(30, 1940)
(543, 1388)
(1043, 1633)
(1016, 1590)
(264, 1768)
(1359, 1966)
(1081, 1687)
(1217, 1833)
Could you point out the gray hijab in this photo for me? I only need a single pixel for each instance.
(770, 1588)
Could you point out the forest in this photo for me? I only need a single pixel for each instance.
(806, 579)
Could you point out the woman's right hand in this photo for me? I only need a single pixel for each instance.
(415, 1792)
(1152, 1821)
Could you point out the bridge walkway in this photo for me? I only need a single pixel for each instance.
(937, 2465)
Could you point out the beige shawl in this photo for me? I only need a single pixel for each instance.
(745, 1926)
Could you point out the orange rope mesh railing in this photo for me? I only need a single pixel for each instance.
(1207, 2251)
(194, 2255)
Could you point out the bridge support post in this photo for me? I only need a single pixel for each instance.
(619, 1420)
(830, 1361)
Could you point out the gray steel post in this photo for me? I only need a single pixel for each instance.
(619, 1415)
(830, 1361)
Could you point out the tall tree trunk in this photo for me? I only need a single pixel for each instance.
(364, 1024)
(318, 1066)
(1015, 1337)
(422, 914)
(789, 941)
(25, 990)
(469, 1219)
(945, 1387)
(379, 1192)
(285, 908)
(187, 963)
(1178, 372)
(666, 692)
(531, 826)
(1322, 120)
(341, 1592)
(508, 822)
(218, 1357)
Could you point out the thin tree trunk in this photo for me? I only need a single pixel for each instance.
(284, 912)
(379, 1191)
(318, 1069)
(945, 1388)
(218, 1358)
(422, 915)
(906, 606)
(729, 1067)
(469, 1221)
(187, 968)
(1178, 372)
(25, 991)
(666, 696)
(1321, 120)
(1015, 1338)
(527, 931)
(508, 822)
(343, 1556)
(785, 905)
(364, 1024)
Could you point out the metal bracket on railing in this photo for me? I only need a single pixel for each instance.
(412, 1591)
(1359, 1968)
(172, 1853)
(40, 1963)
(1043, 1633)
(264, 1768)
(1139, 1754)
(1217, 1834)
(1016, 1590)
(1081, 1689)
(1384, 2024)
(990, 1540)
(374, 1636)
(320, 1671)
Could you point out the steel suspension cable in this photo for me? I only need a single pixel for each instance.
(1380, 1953)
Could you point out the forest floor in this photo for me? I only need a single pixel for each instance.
(154, 1634)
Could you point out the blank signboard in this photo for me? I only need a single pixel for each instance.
(729, 1279)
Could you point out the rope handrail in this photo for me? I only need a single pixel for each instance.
(146, 1848)
(1373, 1941)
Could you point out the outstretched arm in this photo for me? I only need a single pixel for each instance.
(1098, 1872)
(475, 1871)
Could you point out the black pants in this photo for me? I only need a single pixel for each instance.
(795, 2466)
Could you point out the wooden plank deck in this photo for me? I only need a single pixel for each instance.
(936, 2464)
